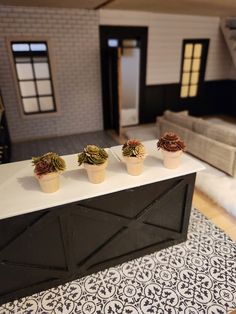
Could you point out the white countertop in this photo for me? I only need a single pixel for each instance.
(20, 192)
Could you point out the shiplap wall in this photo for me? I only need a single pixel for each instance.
(165, 35)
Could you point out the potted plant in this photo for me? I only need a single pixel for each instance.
(95, 160)
(172, 148)
(134, 153)
(47, 169)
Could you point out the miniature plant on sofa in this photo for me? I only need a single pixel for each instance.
(95, 160)
(47, 169)
(172, 147)
(134, 154)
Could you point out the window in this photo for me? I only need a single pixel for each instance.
(193, 67)
(34, 77)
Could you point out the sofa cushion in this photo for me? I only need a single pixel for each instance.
(180, 119)
(200, 126)
(216, 132)
(222, 134)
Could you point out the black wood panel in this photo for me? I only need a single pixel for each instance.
(217, 97)
(155, 103)
(5, 143)
(47, 248)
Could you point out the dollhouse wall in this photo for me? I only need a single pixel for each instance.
(165, 35)
(74, 52)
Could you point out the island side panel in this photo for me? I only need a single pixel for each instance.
(49, 247)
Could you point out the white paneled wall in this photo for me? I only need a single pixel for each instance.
(165, 35)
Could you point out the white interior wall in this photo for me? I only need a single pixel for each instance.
(165, 35)
(130, 77)
(130, 65)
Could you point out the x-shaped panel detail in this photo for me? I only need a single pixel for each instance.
(126, 224)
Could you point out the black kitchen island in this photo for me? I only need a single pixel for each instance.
(50, 239)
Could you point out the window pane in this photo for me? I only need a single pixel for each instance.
(38, 47)
(187, 65)
(184, 92)
(24, 71)
(188, 50)
(129, 43)
(193, 90)
(185, 78)
(30, 105)
(194, 77)
(27, 88)
(22, 60)
(20, 47)
(197, 51)
(41, 70)
(44, 87)
(40, 59)
(196, 65)
(46, 103)
(113, 42)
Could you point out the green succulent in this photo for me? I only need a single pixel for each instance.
(93, 155)
(58, 163)
(47, 163)
(133, 148)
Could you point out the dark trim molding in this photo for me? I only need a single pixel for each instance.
(121, 32)
(205, 45)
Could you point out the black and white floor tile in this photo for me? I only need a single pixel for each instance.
(195, 277)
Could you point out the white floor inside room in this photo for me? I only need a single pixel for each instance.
(143, 132)
(129, 117)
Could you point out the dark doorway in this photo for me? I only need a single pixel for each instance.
(112, 40)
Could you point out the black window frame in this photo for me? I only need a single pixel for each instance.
(30, 55)
(202, 69)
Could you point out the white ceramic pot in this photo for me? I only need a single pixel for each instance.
(171, 160)
(134, 165)
(49, 182)
(96, 173)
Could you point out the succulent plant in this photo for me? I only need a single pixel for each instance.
(171, 142)
(133, 148)
(93, 155)
(47, 163)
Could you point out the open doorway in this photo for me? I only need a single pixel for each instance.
(123, 67)
(130, 78)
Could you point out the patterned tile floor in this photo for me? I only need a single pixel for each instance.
(194, 277)
(63, 145)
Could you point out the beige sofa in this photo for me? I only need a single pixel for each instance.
(212, 143)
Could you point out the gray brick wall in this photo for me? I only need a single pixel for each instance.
(74, 43)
